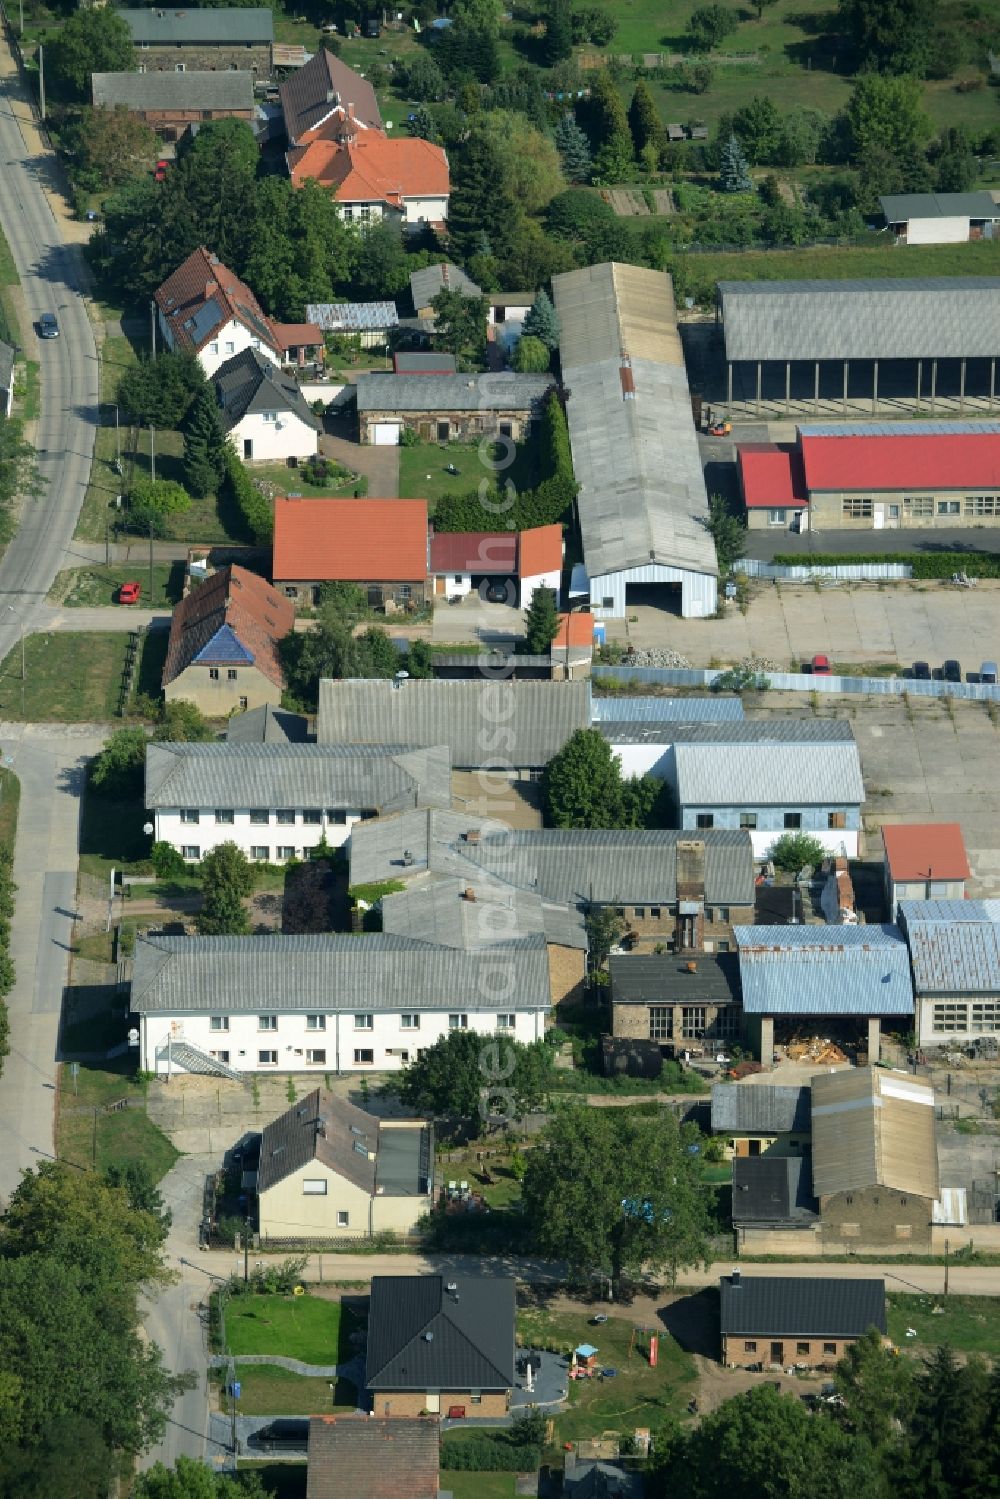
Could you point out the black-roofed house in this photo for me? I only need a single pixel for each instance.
(263, 411)
(328, 1170)
(758, 1119)
(772, 1195)
(441, 1345)
(326, 96)
(783, 1320)
(686, 1004)
(357, 1456)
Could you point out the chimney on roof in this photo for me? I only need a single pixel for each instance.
(211, 287)
(468, 893)
(736, 1279)
(691, 967)
(691, 869)
(350, 111)
(472, 836)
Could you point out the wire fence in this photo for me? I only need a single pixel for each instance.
(787, 681)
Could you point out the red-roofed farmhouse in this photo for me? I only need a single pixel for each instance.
(223, 649)
(516, 562)
(379, 544)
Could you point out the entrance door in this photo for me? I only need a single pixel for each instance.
(878, 517)
(248, 447)
(777, 1353)
(433, 1404)
(892, 517)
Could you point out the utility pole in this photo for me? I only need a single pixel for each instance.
(21, 8)
(246, 1250)
(946, 1265)
(152, 454)
(118, 444)
(152, 325)
(151, 559)
(41, 81)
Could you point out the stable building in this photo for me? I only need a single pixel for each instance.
(449, 408)
(173, 103)
(224, 40)
(940, 218)
(689, 1006)
(642, 502)
(873, 476)
(379, 545)
(931, 338)
(955, 958)
(785, 1322)
(924, 861)
(330, 1171)
(796, 976)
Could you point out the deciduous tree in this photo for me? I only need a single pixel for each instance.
(893, 36)
(153, 501)
(117, 770)
(109, 145)
(226, 879)
(531, 357)
(464, 1074)
(460, 322)
(709, 25)
(92, 41)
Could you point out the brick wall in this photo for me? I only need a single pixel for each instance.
(463, 425)
(784, 1351)
(647, 930)
(567, 971)
(414, 1403)
(206, 59)
(633, 1021)
(875, 1216)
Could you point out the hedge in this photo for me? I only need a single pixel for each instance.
(545, 505)
(483, 1455)
(257, 512)
(924, 564)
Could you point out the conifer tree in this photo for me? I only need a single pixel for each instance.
(541, 322)
(734, 170)
(541, 621)
(574, 150)
(643, 119)
(204, 444)
(558, 33)
(480, 203)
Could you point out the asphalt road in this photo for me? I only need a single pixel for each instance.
(51, 275)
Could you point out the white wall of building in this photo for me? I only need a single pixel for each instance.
(418, 211)
(415, 212)
(835, 841)
(956, 1019)
(642, 759)
(950, 231)
(456, 585)
(699, 591)
(274, 435)
(540, 580)
(231, 339)
(315, 1042)
(199, 827)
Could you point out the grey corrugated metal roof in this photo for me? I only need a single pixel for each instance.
(189, 90)
(491, 392)
(773, 1189)
(571, 866)
(943, 317)
(822, 970)
(717, 708)
(330, 974)
(873, 1128)
(642, 492)
(954, 946)
(786, 1306)
(441, 912)
(649, 978)
(898, 429)
(388, 777)
(267, 725)
(760, 1109)
(426, 283)
(523, 724)
(336, 317)
(759, 775)
(223, 27)
(422, 1336)
(900, 207)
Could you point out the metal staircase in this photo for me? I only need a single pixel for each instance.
(193, 1059)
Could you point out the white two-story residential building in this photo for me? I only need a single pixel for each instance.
(263, 411)
(329, 1003)
(278, 801)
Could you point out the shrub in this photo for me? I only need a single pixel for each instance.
(929, 565)
(793, 851)
(257, 513)
(167, 862)
(489, 1455)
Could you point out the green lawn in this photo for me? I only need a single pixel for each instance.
(293, 480)
(423, 469)
(8, 271)
(10, 800)
(970, 1324)
(89, 1136)
(28, 389)
(271, 1391)
(69, 678)
(637, 1396)
(303, 1327)
(465, 1485)
(90, 587)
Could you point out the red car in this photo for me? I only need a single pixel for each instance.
(160, 171)
(821, 666)
(129, 593)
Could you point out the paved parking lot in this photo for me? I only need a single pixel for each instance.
(895, 624)
(922, 762)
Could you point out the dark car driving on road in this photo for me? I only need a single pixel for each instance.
(48, 326)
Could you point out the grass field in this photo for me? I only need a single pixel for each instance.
(969, 1324)
(271, 1391)
(637, 1396)
(10, 801)
(479, 1485)
(423, 470)
(28, 389)
(90, 1137)
(69, 678)
(8, 271)
(302, 1327)
(90, 587)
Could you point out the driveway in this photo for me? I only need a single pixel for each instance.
(379, 465)
(53, 278)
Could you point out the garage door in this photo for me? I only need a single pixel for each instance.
(386, 434)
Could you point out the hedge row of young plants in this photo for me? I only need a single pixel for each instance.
(546, 504)
(924, 564)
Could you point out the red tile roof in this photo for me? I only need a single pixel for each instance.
(541, 551)
(934, 460)
(297, 335)
(770, 476)
(373, 169)
(202, 295)
(357, 541)
(920, 851)
(576, 629)
(253, 611)
(488, 552)
(373, 1457)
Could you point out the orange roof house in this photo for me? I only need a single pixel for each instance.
(204, 308)
(373, 176)
(924, 861)
(379, 544)
(223, 649)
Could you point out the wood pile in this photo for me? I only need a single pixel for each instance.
(814, 1049)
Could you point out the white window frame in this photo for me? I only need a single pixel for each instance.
(191, 851)
(190, 816)
(314, 1186)
(267, 1023)
(777, 517)
(343, 1218)
(506, 1021)
(316, 1056)
(315, 1022)
(225, 816)
(260, 853)
(409, 1021)
(218, 1023)
(458, 1022)
(364, 1021)
(267, 1058)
